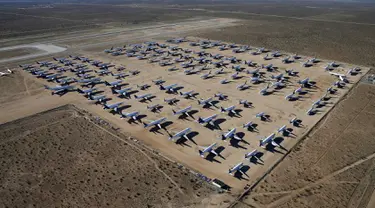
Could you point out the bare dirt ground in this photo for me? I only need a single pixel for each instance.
(310, 31)
(65, 157)
(326, 169)
(187, 154)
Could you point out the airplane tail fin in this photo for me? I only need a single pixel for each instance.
(200, 120)
(107, 83)
(46, 87)
(145, 125)
(174, 112)
(79, 90)
(222, 109)
(161, 87)
(135, 96)
(200, 153)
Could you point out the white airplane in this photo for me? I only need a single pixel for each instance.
(143, 97)
(253, 72)
(154, 108)
(209, 149)
(230, 134)
(264, 91)
(261, 115)
(243, 86)
(220, 71)
(113, 106)
(187, 95)
(155, 123)
(133, 115)
(291, 96)
(311, 111)
(224, 81)
(6, 73)
(169, 88)
(305, 81)
(252, 154)
(207, 75)
(245, 103)
(206, 102)
(236, 168)
(235, 75)
(184, 111)
(207, 120)
(221, 96)
(181, 134)
(283, 129)
(124, 92)
(342, 77)
(230, 110)
(170, 101)
(278, 77)
(87, 92)
(268, 140)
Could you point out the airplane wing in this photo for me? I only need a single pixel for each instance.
(275, 144)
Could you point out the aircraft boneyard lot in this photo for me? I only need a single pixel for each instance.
(273, 96)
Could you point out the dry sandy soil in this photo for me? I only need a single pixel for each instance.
(326, 169)
(65, 157)
(232, 152)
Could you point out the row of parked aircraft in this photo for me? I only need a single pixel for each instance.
(200, 64)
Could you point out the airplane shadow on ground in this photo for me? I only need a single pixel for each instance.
(240, 176)
(185, 117)
(257, 160)
(273, 149)
(211, 157)
(236, 143)
(216, 123)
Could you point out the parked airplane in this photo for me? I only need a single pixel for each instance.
(230, 134)
(114, 84)
(143, 97)
(188, 94)
(87, 82)
(291, 72)
(181, 134)
(124, 92)
(52, 77)
(157, 123)
(249, 125)
(133, 115)
(245, 103)
(342, 77)
(170, 101)
(169, 88)
(59, 89)
(304, 82)
(236, 168)
(44, 63)
(158, 81)
(143, 87)
(207, 75)
(119, 75)
(254, 72)
(154, 108)
(230, 110)
(184, 111)
(264, 91)
(252, 154)
(6, 73)
(278, 77)
(114, 106)
(269, 140)
(243, 86)
(209, 149)
(207, 102)
(221, 96)
(283, 129)
(207, 120)
(87, 92)
(98, 98)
